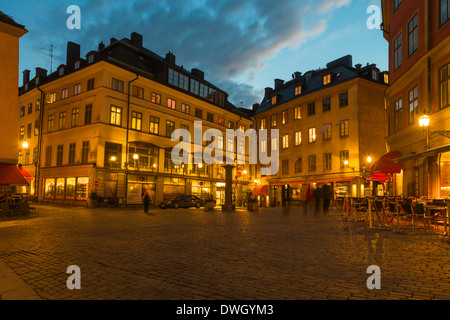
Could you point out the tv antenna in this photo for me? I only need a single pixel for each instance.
(51, 53)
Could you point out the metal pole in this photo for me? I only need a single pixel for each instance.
(370, 213)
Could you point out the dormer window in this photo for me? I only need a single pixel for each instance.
(91, 58)
(298, 90)
(37, 81)
(274, 100)
(386, 78)
(375, 75)
(77, 65)
(326, 79)
(61, 71)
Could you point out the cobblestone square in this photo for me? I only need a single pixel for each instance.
(272, 254)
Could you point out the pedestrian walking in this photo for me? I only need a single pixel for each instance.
(146, 201)
(94, 198)
(309, 198)
(318, 196)
(327, 195)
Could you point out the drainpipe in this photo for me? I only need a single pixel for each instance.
(37, 164)
(126, 142)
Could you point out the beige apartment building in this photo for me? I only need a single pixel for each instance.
(332, 127)
(105, 122)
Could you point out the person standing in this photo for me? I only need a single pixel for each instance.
(94, 198)
(146, 201)
(326, 190)
(309, 198)
(318, 195)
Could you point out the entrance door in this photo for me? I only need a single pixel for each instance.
(220, 197)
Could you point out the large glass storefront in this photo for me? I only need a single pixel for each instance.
(74, 188)
(173, 187)
(138, 185)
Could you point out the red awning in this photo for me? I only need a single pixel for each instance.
(11, 175)
(380, 177)
(25, 173)
(260, 190)
(385, 164)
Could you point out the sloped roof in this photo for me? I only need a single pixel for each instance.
(9, 20)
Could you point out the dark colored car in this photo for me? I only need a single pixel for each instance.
(182, 201)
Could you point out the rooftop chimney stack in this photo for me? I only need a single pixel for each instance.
(137, 39)
(170, 58)
(198, 73)
(278, 83)
(73, 53)
(267, 91)
(101, 46)
(26, 76)
(40, 73)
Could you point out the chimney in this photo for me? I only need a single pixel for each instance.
(170, 58)
(255, 106)
(297, 75)
(26, 76)
(198, 73)
(73, 53)
(268, 91)
(101, 46)
(278, 83)
(112, 40)
(41, 73)
(358, 66)
(137, 39)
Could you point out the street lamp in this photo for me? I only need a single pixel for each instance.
(369, 159)
(25, 145)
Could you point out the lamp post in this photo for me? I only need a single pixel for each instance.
(424, 122)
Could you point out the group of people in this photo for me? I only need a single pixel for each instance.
(321, 195)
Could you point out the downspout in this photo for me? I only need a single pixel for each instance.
(126, 142)
(38, 162)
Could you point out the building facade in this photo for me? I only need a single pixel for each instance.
(105, 123)
(418, 33)
(331, 123)
(10, 33)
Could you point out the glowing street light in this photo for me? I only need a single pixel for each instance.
(424, 121)
(25, 145)
(369, 159)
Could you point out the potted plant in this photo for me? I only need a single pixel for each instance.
(210, 203)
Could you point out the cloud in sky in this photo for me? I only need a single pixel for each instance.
(228, 39)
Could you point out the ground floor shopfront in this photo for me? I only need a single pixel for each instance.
(292, 193)
(74, 185)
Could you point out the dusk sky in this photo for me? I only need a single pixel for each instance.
(241, 45)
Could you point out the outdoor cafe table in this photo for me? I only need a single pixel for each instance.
(432, 210)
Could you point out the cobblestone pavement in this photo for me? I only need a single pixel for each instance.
(273, 254)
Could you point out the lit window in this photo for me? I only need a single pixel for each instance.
(298, 90)
(221, 121)
(62, 120)
(284, 117)
(156, 98)
(171, 103)
(136, 120)
(326, 79)
(285, 141)
(344, 128)
(115, 116)
(298, 138)
(185, 108)
(312, 135)
(273, 121)
(64, 93)
(154, 125)
(297, 113)
(77, 89)
(138, 92)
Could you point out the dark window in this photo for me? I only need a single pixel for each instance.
(48, 156)
(444, 11)
(326, 104)
(210, 117)
(413, 35)
(90, 84)
(30, 108)
(22, 111)
(36, 127)
(29, 129)
(327, 161)
(298, 165)
(398, 115)
(59, 154)
(396, 4)
(398, 52)
(343, 100)
(312, 163)
(444, 82)
(117, 85)
(88, 114)
(199, 113)
(413, 105)
(72, 147)
(285, 167)
(138, 92)
(170, 128)
(85, 152)
(311, 109)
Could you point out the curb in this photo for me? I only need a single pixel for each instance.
(12, 287)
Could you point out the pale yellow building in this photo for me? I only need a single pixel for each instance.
(105, 122)
(10, 33)
(331, 122)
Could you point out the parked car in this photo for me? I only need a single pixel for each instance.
(182, 201)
